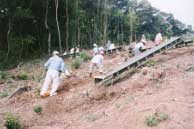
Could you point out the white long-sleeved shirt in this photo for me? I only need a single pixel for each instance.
(56, 63)
(139, 45)
(95, 50)
(98, 59)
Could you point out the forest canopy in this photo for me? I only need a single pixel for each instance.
(33, 28)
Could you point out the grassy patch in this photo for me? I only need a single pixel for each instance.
(152, 120)
(3, 94)
(155, 119)
(3, 75)
(12, 122)
(91, 117)
(76, 63)
(150, 63)
(37, 109)
(84, 56)
(22, 76)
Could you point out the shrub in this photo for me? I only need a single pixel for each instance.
(37, 109)
(155, 119)
(85, 56)
(12, 122)
(3, 94)
(22, 76)
(150, 63)
(76, 63)
(3, 75)
(151, 121)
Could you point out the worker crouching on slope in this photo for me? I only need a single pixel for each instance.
(97, 61)
(55, 65)
(138, 48)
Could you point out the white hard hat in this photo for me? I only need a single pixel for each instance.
(55, 52)
(95, 45)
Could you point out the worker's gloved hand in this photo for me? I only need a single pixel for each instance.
(62, 76)
(67, 73)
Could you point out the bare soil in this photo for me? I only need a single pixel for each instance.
(167, 86)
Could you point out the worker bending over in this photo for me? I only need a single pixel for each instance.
(138, 48)
(97, 61)
(55, 65)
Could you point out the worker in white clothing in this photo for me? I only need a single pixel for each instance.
(138, 48)
(108, 45)
(95, 49)
(54, 65)
(97, 61)
(158, 39)
(72, 50)
(101, 49)
(143, 39)
(112, 46)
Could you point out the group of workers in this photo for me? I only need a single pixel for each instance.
(141, 46)
(56, 69)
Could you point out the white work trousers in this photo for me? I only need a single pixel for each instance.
(52, 78)
(94, 65)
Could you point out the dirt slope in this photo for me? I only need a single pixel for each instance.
(167, 86)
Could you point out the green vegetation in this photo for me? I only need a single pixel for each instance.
(37, 109)
(152, 120)
(12, 122)
(3, 94)
(22, 76)
(150, 63)
(3, 75)
(85, 56)
(91, 117)
(155, 119)
(76, 63)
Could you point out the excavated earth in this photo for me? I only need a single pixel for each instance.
(167, 85)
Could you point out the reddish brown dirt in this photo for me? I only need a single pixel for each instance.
(165, 87)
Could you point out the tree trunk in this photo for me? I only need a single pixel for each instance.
(131, 27)
(118, 31)
(105, 22)
(122, 34)
(47, 28)
(77, 23)
(67, 27)
(8, 42)
(58, 29)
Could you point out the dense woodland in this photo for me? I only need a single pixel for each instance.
(33, 28)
